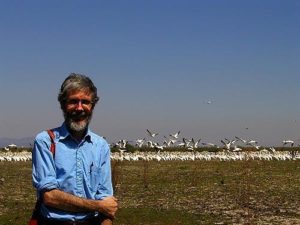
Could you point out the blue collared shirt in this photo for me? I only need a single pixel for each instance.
(81, 169)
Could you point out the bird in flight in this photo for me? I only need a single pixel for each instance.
(210, 144)
(152, 134)
(195, 143)
(240, 139)
(285, 142)
(236, 149)
(227, 143)
(175, 135)
(209, 101)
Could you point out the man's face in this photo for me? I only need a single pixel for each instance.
(78, 110)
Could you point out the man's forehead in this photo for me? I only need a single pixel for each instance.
(80, 92)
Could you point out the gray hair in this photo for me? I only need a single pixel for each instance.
(76, 82)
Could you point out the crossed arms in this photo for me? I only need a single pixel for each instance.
(67, 202)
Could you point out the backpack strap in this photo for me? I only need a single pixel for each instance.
(52, 138)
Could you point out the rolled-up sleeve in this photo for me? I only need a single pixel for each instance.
(43, 166)
(105, 188)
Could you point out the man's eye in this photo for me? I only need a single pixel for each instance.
(73, 101)
(77, 101)
(85, 102)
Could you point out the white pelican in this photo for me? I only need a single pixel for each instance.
(139, 142)
(210, 144)
(152, 134)
(240, 139)
(175, 135)
(285, 142)
(195, 144)
(236, 149)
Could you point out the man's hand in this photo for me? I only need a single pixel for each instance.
(108, 206)
(107, 222)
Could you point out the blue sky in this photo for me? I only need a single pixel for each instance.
(156, 64)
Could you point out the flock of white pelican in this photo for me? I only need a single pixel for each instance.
(229, 150)
(15, 156)
(182, 156)
(173, 140)
(205, 155)
(188, 150)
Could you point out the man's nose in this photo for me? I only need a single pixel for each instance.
(79, 106)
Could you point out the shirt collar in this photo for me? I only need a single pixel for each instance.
(64, 133)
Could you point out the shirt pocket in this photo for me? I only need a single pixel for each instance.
(94, 178)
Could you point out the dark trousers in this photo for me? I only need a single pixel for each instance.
(91, 221)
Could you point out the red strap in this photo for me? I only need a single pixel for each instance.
(33, 221)
(52, 138)
(35, 217)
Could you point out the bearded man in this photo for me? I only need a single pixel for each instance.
(74, 182)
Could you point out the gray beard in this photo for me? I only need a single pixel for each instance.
(75, 126)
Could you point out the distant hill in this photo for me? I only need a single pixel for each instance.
(26, 142)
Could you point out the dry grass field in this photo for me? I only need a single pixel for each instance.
(179, 192)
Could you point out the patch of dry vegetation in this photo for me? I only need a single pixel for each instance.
(240, 192)
(179, 192)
